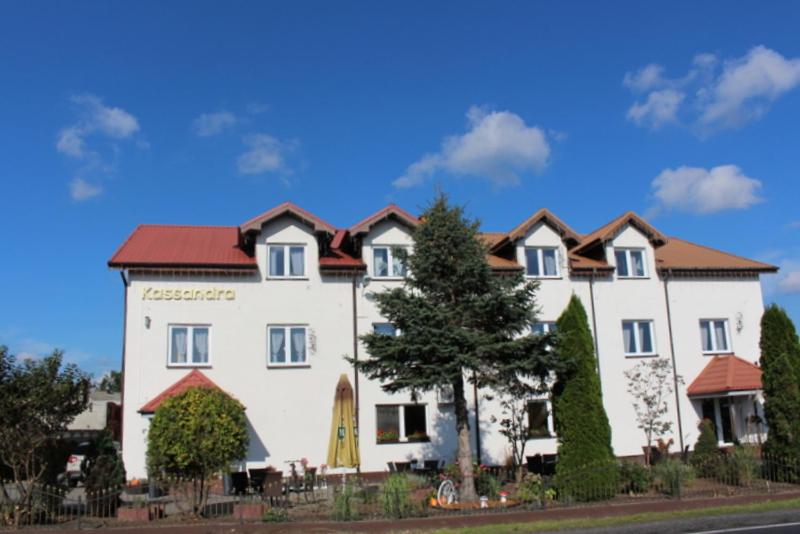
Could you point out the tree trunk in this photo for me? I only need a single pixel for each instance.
(467, 491)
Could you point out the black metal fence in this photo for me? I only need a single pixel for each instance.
(400, 495)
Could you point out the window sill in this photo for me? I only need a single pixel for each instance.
(401, 441)
(718, 353)
(288, 365)
(286, 278)
(637, 356)
(536, 277)
(389, 278)
(633, 277)
(188, 366)
(543, 436)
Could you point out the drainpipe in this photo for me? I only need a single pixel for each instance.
(122, 367)
(477, 419)
(674, 367)
(355, 356)
(594, 324)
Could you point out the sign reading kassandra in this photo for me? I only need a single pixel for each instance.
(212, 293)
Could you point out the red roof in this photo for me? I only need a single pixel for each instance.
(191, 380)
(155, 245)
(288, 208)
(724, 374)
(391, 210)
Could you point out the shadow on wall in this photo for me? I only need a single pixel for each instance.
(256, 452)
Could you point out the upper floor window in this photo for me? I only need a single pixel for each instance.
(630, 262)
(287, 261)
(543, 327)
(387, 329)
(385, 264)
(541, 261)
(287, 345)
(638, 338)
(188, 345)
(715, 335)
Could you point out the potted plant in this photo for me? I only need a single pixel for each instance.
(387, 436)
(418, 436)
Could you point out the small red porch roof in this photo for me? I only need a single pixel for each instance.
(724, 374)
(195, 378)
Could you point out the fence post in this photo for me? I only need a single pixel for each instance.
(543, 492)
(80, 510)
(241, 518)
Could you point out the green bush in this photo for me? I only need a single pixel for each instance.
(592, 482)
(672, 476)
(740, 467)
(634, 477)
(530, 488)
(487, 484)
(705, 458)
(395, 498)
(275, 515)
(344, 505)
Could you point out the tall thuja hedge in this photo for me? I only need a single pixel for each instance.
(586, 468)
(780, 365)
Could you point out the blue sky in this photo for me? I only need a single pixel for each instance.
(116, 114)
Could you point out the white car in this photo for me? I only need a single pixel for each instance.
(76, 457)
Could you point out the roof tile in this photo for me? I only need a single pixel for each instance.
(724, 374)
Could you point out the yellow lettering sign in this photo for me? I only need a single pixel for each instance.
(213, 293)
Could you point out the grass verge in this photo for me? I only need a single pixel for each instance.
(646, 517)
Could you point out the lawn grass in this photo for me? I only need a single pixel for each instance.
(646, 517)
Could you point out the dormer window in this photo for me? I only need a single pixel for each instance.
(630, 262)
(541, 262)
(385, 264)
(286, 261)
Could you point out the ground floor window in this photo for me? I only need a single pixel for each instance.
(401, 422)
(538, 419)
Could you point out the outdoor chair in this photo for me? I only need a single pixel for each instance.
(239, 482)
(273, 487)
(391, 467)
(431, 466)
(402, 467)
(257, 477)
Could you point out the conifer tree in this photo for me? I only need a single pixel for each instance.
(705, 456)
(460, 323)
(584, 435)
(778, 335)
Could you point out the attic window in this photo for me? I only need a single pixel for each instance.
(630, 262)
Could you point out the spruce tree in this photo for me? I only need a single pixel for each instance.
(460, 324)
(585, 455)
(705, 456)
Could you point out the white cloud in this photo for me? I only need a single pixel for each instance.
(789, 282)
(209, 124)
(644, 79)
(723, 95)
(698, 190)
(265, 154)
(80, 189)
(498, 146)
(747, 86)
(660, 108)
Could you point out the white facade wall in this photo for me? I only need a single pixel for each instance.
(289, 409)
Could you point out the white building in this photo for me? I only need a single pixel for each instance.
(267, 311)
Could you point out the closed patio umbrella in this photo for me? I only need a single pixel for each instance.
(343, 445)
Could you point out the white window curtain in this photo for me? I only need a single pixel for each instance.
(200, 345)
(622, 262)
(719, 335)
(549, 256)
(628, 338)
(277, 345)
(637, 259)
(645, 337)
(296, 261)
(398, 269)
(381, 261)
(179, 345)
(275, 261)
(298, 345)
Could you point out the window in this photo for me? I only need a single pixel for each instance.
(715, 335)
(541, 261)
(386, 329)
(401, 423)
(638, 337)
(630, 262)
(287, 261)
(287, 345)
(385, 264)
(718, 411)
(445, 395)
(538, 416)
(188, 345)
(543, 327)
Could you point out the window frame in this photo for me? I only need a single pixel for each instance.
(540, 261)
(548, 420)
(189, 345)
(715, 349)
(401, 423)
(385, 323)
(287, 328)
(637, 341)
(549, 327)
(389, 263)
(287, 261)
(629, 263)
